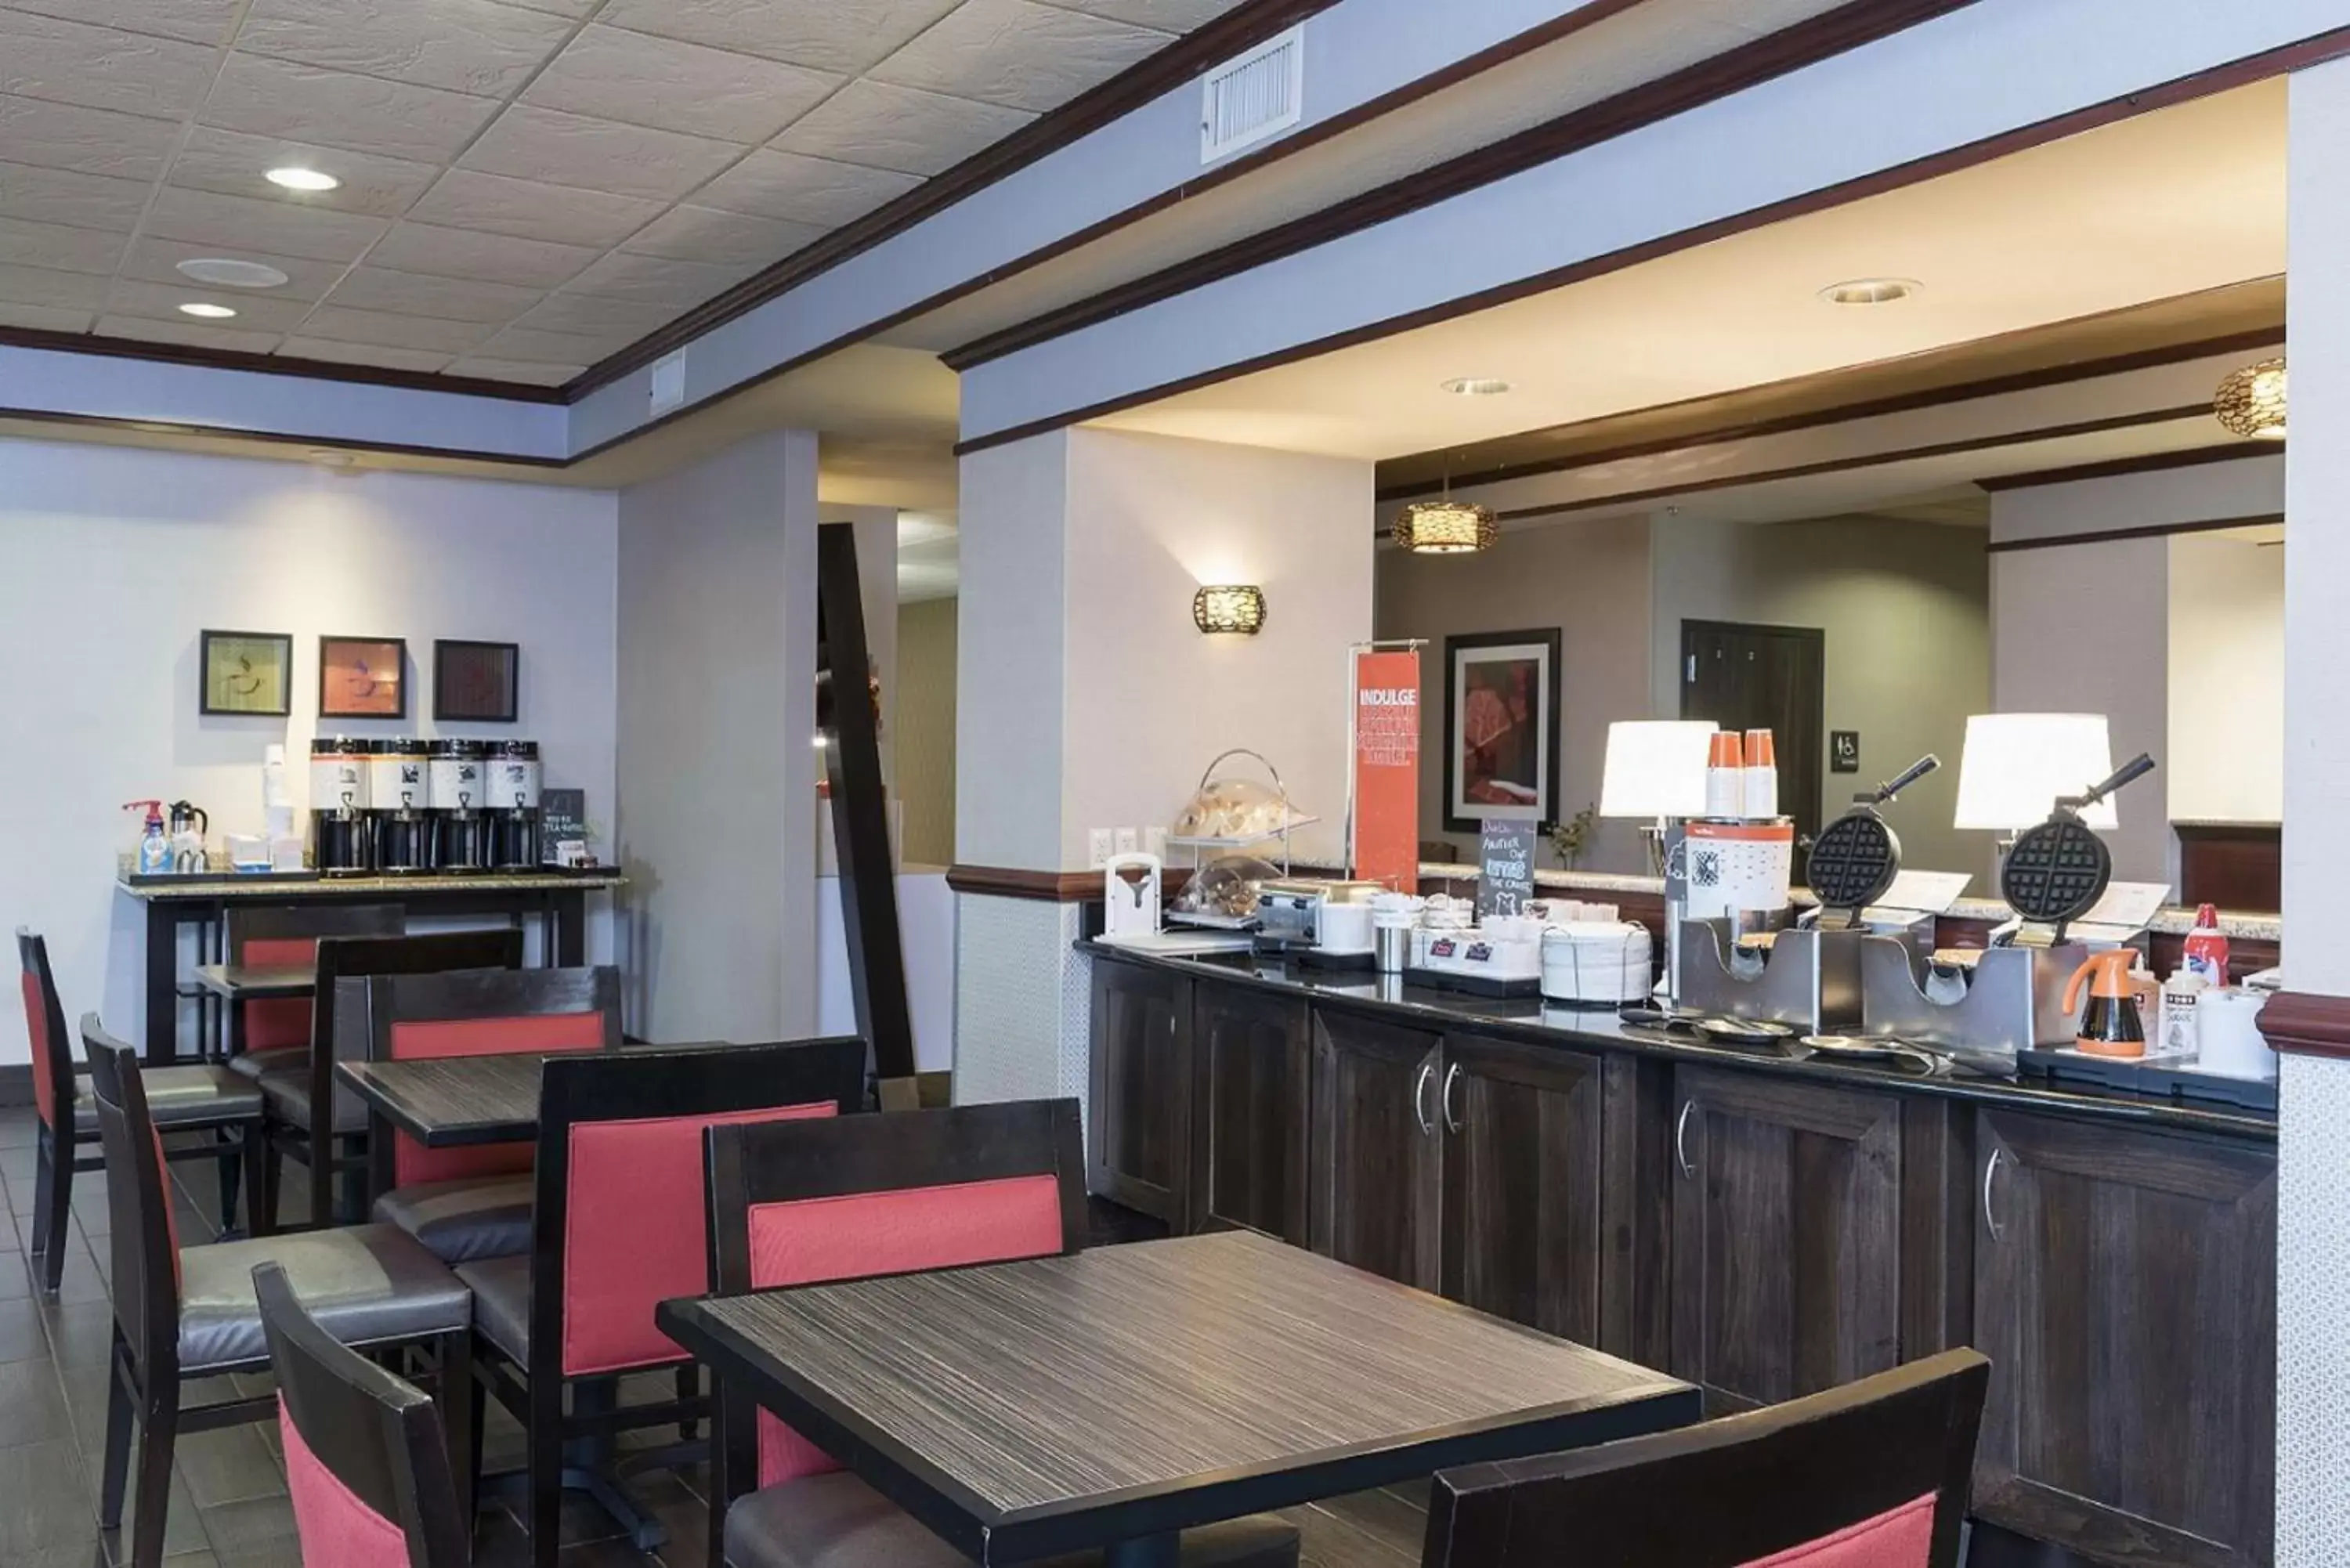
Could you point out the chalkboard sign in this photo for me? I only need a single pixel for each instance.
(563, 814)
(1505, 868)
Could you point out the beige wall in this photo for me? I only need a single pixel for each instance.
(926, 730)
(2227, 678)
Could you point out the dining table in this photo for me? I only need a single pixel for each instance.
(1113, 1397)
(234, 984)
(455, 1102)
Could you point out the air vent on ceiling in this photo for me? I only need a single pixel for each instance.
(1252, 95)
(669, 382)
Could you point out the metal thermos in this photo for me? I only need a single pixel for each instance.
(459, 796)
(399, 793)
(514, 839)
(342, 841)
(1393, 944)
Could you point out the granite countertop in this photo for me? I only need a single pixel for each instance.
(1536, 1022)
(230, 885)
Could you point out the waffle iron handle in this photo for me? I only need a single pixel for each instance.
(1908, 775)
(2138, 767)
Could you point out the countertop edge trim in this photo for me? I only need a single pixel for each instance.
(2307, 1023)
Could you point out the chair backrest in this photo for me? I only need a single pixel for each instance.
(618, 1211)
(477, 1012)
(144, 1244)
(366, 1464)
(45, 1025)
(1871, 1475)
(289, 934)
(794, 1203)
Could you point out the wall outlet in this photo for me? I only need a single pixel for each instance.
(1154, 843)
(1098, 842)
(1129, 841)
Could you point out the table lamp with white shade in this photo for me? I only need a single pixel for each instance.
(1655, 769)
(2016, 767)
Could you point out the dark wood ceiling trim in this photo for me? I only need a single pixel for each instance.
(1248, 24)
(2149, 531)
(1842, 413)
(274, 365)
(279, 438)
(2323, 46)
(2304, 1023)
(1849, 27)
(2152, 463)
(1859, 461)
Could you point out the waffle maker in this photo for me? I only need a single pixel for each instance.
(1854, 859)
(2058, 870)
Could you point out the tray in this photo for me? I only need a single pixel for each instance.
(2144, 1077)
(1471, 984)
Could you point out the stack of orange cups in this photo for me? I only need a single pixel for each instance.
(1725, 775)
(1762, 796)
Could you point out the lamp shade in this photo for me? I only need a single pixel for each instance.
(2017, 765)
(1655, 768)
(1446, 527)
(2250, 402)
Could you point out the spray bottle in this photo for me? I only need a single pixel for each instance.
(154, 847)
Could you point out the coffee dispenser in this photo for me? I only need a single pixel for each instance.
(514, 805)
(342, 840)
(398, 793)
(460, 802)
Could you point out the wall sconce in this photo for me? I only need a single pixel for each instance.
(1236, 607)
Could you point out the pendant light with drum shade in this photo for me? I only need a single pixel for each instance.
(2250, 402)
(1445, 526)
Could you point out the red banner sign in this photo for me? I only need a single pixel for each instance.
(1387, 769)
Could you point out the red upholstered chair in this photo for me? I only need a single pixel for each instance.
(272, 1032)
(1871, 1475)
(366, 1464)
(621, 1229)
(190, 1098)
(805, 1202)
(183, 1312)
(301, 1081)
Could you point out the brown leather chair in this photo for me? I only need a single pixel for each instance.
(1871, 1475)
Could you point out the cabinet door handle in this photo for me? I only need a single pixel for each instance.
(1991, 1169)
(1452, 1077)
(1681, 1137)
(1420, 1098)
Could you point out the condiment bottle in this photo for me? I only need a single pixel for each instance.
(1761, 775)
(1725, 776)
(2207, 948)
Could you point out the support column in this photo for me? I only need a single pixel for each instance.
(1086, 698)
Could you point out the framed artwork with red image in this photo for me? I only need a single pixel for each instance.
(1500, 728)
(362, 678)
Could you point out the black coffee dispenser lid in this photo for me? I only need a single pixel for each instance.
(399, 746)
(445, 748)
(518, 749)
(337, 746)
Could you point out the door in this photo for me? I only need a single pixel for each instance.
(1139, 1141)
(1770, 678)
(1786, 1262)
(1379, 1168)
(2126, 1293)
(1252, 1103)
(1521, 1175)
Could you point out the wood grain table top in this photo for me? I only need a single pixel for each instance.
(257, 982)
(1029, 1408)
(451, 1101)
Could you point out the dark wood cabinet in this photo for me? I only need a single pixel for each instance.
(1378, 1154)
(1522, 1229)
(1251, 1108)
(1139, 1127)
(2126, 1293)
(1786, 1262)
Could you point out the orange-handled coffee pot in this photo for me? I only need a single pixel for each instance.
(2113, 1027)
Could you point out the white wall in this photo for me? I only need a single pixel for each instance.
(116, 559)
(2227, 678)
(716, 703)
(1009, 644)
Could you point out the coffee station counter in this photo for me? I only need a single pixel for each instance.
(229, 886)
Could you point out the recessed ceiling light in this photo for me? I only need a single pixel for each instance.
(295, 178)
(220, 272)
(1870, 290)
(326, 457)
(1476, 386)
(209, 312)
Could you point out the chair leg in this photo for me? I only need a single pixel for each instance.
(231, 1161)
(152, 1501)
(60, 1212)
(260, 1200)
(459, 1417)
(42, 1181)
(122, 1409)
(689, 1386)
(545, 1470)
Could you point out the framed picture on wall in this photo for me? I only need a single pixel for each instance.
(362, 678)
(1500, 728)
(248, 672)
(476, 682)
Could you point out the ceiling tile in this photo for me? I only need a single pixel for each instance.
(448, 299)
(464, 199)
(385, 330)
(465, 45)
(60, 196)
(234, 163)
(489, 258)
(904, 128)
(707, 234)
(844, 36)
(335, 353)
(533, 346)
(1018, 54)
(314, 233)
(154, 260)
(207, 22)
(592, 316)
(43, 318)
(652, 281)
(674, 86)
(55, 245)
(101, 67)
(190, 333)
(336, 108)
(549, 375)
(798, 189)
(532, 144)
(1171, 17)
(90, 140)
(161, 301)
(53, 290)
